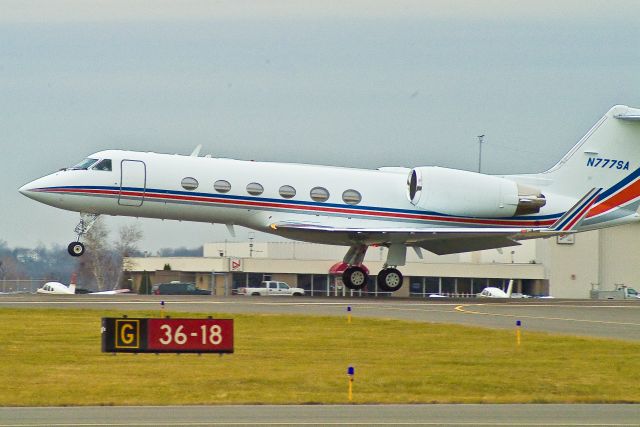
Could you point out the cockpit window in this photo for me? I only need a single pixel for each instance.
(103, 165)
(85, 164)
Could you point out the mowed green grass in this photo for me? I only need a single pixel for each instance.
(53, 357)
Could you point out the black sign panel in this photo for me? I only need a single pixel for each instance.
(166, 335)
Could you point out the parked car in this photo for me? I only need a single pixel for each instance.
(178, 288)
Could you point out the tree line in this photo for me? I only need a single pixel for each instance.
(100, 268)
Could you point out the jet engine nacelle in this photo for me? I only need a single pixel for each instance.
(464, 193)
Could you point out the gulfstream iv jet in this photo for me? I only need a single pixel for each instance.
(441, 210)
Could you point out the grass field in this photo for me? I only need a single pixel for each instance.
(53, 357)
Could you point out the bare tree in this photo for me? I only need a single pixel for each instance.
(11, 268)
(97, 265)
(127, 247)
(103, 263)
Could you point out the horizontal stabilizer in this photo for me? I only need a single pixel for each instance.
(627, 113)
(571, 218)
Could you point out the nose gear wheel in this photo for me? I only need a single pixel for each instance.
(76, 248)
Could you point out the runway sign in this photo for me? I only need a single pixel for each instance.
(165, 335)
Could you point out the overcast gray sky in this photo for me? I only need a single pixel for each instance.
(349, 83)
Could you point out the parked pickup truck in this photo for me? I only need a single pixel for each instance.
(270, 288)
(621, 292)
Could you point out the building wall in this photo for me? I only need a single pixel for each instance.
(521, 254)
(570, 268)
(620, 257)
(595, 259)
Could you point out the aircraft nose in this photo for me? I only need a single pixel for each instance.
(43, 190)
(26, 189)
(30, 189)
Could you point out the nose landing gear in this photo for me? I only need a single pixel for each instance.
(76, 248)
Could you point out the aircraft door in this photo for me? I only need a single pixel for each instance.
(133, 183)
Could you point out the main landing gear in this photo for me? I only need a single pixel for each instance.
(76, 248)
(355, 277)
(389, 279)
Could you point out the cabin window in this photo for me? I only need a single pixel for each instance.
(189, 183)
(287, 191)
(319, 194)
(255, 189)
(351, 197)
(222, 186)
(103, 165)
(85, 164)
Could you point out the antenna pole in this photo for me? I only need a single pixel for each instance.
(480, 142)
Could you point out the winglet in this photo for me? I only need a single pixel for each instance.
(196, 151)
(571, 218)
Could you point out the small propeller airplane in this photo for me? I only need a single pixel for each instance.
(493, 292)
(441, 210)
(57, 288)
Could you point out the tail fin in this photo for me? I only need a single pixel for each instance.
(608, 153)
(510, 288)
(607, 157)
(72, 283)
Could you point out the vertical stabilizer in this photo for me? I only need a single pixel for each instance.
(606, 156)
(510, 288)
(72, 283)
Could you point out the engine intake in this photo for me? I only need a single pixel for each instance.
(464, 193)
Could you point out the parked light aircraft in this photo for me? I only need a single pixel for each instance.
(442, 210)
(57, 288)
(492, 292)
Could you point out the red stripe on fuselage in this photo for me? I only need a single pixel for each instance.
(625, 195)
(314, 208)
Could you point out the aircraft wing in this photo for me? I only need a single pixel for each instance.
(439, 240)
(113, 292)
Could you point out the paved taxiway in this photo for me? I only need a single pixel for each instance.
(344, 415)
(605, 319)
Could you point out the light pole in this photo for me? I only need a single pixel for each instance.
(480, 142)
(251, 237)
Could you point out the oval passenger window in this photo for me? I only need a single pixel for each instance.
(351, 197)
(255, 189)
(319, 194)
(189, 183)
(222, 186)
(287, 191)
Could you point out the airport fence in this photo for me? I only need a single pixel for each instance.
(442, 295)
(26, 286)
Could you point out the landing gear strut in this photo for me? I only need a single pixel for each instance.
(355, 277)
(76, 248)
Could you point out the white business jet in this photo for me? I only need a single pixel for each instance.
(441, 210)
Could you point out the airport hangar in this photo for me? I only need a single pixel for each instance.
(563, 267)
